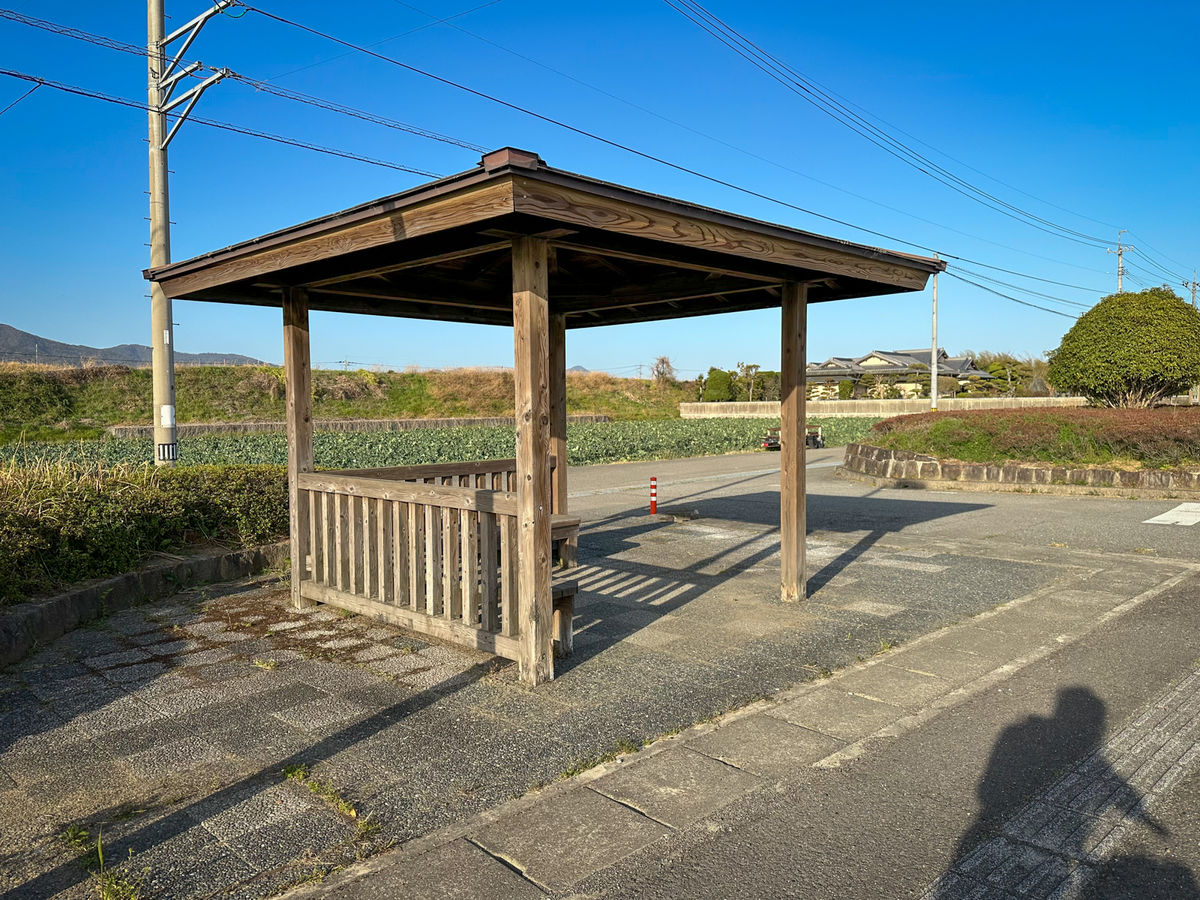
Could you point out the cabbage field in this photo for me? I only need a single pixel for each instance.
(587, 444)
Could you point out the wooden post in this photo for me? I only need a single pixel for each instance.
(558, 426)
(531, 351)
(298, 373)
(793, 394)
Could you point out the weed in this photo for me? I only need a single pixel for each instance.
(301, 775)
(367, 827)
(75, 836)
(116, 882)
(268, 664)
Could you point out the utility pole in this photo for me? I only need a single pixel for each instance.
(1120, 251)
(1194, 393)
(164, 75)
(933, 355)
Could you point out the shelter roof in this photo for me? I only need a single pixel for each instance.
(442, 251)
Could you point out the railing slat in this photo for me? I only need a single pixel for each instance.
(416, 557)
(400, 553)
(508, 576)
(329, 513)
(433, 562)
(371, 546)
(469, 554)
(383, 542)
(488, 561)
(316, 539)
(451, 564)
(343, 541)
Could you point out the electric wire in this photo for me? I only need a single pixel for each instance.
(1024, 290)
(223, 126)
(260, 85)
(19, 99)
(791, 79)
(1009, 297)
(724, 143)
(334, 106)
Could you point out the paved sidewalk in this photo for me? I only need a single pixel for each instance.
(645, 825)
(240, 747)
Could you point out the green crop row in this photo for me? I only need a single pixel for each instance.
(587, 444)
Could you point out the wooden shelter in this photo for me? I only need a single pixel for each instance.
(464, 552)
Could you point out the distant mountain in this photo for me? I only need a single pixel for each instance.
(21, 346)
(578, 369)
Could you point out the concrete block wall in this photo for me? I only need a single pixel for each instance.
(881, 408)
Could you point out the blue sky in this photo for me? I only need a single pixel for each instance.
(1088, 108)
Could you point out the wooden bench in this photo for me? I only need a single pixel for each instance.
(563, 593)
(564, 535)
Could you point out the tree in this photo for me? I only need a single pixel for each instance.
(746, 374)
(846, 389)
(1130, 349)
(718, 386)
(662, 371)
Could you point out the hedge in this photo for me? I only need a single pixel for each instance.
(1168, 437)
(62, 523)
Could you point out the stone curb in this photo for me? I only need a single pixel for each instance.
(903, 469)
(39, 621)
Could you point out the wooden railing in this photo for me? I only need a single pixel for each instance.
(493, 474)
(434, 553)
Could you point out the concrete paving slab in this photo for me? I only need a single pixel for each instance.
(899, 687)
(953, 666)
(834, 711)
(455, 871)
(766, 746)
(568, 837)
(677, 787)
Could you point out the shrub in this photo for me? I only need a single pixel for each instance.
(718, 386)
(846, 389)
(1131, 350)
(1156, 438)
(66, 522)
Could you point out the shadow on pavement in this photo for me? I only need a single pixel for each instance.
(1041, 848)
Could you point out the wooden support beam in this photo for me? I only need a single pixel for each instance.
(531, 326)
(298, 374)
(558, 427)
(792, 522)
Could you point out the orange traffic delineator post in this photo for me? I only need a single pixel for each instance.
(653, 496)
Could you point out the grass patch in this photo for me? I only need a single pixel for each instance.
(75, 401)
(119, 882)
(300, 774)
(1167, 437)
(62, 523)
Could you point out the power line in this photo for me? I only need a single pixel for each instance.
(1024, 290)
(812, 93)
(724, 143)
(334, 106)
(264, 86)
(223, 126)
(1008, 297)
(976, 262)
(442, 21)
(19, 99)
(572, 128)
(1172, 276)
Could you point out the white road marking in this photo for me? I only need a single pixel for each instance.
(1183, 514)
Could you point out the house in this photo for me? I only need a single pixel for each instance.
(880, 373)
